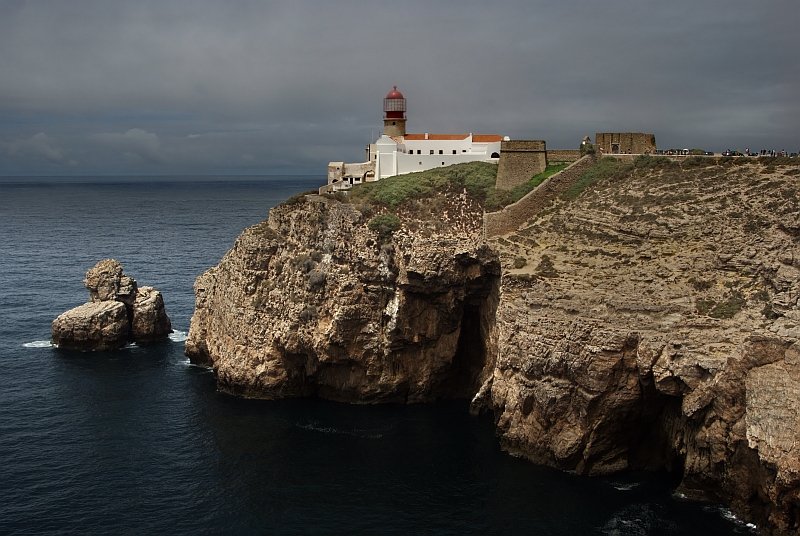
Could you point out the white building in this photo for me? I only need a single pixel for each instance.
(397, 153)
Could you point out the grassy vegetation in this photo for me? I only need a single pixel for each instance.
(727, 308)
(604, 169)
(384, 225)
(499, 198)
(700, 284)
(610, 168)
(476, 177)
(546, 268)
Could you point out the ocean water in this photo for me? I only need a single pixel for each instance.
(139, 441)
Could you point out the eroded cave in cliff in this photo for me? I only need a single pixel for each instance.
(473, 358)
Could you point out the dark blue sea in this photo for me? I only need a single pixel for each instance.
(139, 441)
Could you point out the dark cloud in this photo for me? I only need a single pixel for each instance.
(266, 87)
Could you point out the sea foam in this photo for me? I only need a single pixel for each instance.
(39, 344)
(178, 336)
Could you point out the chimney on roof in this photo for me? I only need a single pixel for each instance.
(426, 135)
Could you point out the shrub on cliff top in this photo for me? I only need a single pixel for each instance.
(316, 279)
(697, 161)
(384, 225)
(646, 161)
(303, 262)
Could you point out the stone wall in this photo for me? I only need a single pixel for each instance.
(563, 155)
(513, 216)
(625, 142)
(519, 161)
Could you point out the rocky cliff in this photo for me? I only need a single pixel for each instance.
(311, 302)
(650, 320)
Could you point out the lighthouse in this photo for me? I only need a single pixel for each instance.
(397, 153)
(394, 114)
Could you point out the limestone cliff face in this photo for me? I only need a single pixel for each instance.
(651, 323)
(656, 324)
(310, 303)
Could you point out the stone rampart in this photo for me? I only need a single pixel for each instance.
(563, 155)
(519, 161)
(513, 216)
(625, 142)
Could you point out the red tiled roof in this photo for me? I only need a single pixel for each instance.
(439, 137)
(486, 138)
(480, 138)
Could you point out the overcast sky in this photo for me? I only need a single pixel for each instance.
(258, 87)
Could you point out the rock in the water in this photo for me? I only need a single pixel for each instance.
(92, 326)
(149, 322)
(106, 281)
(119, 312)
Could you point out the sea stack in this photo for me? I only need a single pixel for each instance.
(119, 312)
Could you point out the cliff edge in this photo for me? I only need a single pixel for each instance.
(646, 319)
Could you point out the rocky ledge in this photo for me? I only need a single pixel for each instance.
(119, 312)
(647, 321)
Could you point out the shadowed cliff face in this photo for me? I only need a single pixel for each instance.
(650, 323)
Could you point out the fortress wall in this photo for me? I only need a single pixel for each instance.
(625, 142)
(519, 161)
(513, 216)
(563, 155)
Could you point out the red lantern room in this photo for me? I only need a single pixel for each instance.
(394, 105)
(394, 114)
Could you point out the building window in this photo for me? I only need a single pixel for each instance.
(431, 151)
(442, 163)
(441, 152)
(420, 163)
(495, 155)
(454, 151)
(463, 150)
(419, 151)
